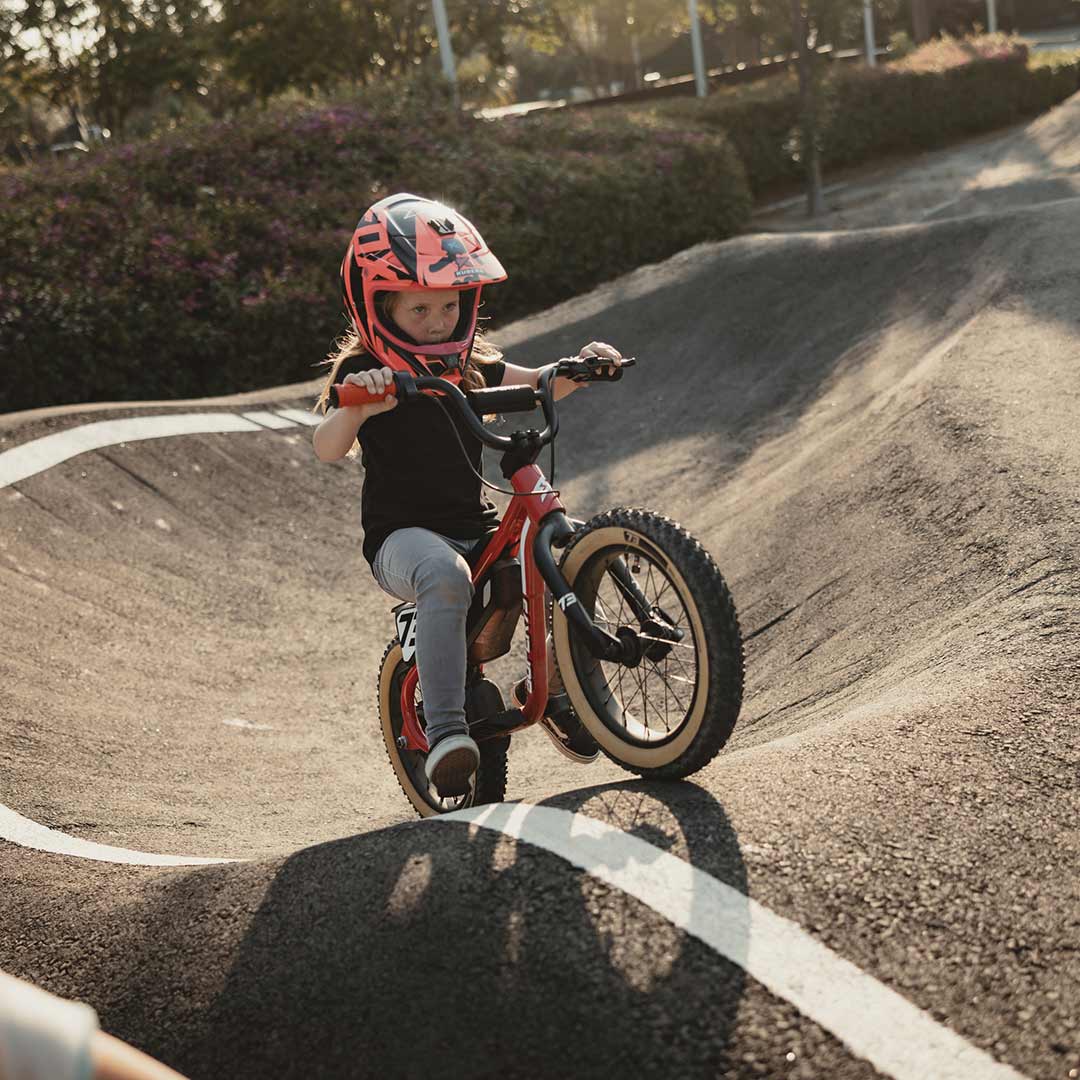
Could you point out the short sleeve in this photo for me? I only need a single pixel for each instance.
(493, 373)
(353, 365)
(43, 1037)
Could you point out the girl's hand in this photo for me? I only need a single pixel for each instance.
(600, 348)
(377, 381)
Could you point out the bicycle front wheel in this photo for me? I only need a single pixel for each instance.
(667, 714)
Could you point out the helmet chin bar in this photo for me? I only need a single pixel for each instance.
(448, 367)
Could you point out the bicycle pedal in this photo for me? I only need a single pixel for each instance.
(500, 723)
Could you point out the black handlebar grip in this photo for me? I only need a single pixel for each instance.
(502, 399)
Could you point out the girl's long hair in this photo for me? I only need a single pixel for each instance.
(349, 345)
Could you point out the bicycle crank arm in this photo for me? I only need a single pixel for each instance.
(624, 649)
(502, 723)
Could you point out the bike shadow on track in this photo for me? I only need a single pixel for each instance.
(441, 946)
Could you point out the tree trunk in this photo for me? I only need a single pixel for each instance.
(808, 117)
(921, 12)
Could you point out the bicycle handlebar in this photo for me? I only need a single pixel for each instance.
(521, 398)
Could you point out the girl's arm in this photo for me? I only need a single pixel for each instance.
(517, 376)
(334, 437)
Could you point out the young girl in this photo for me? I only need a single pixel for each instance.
(411, 280)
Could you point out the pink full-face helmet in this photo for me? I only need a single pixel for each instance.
(402, 243)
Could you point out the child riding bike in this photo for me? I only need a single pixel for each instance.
(411, 280)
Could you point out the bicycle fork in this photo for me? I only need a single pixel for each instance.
(626, 646)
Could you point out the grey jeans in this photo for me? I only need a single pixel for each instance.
(430, 570)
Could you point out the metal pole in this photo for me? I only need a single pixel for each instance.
(991, 16)
(446, 50)
(868, 27)
(699, 54)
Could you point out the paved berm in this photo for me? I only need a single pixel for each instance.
(875, 434)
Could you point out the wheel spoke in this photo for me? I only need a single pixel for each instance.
(649, 709)
(682, 665)
(668, 688)
(658, 718)
(664, 641)
(648, 582)
(626, 702)
(669, 678)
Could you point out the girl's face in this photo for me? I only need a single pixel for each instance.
(428, 316)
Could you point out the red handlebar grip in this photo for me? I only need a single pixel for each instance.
(344, 394)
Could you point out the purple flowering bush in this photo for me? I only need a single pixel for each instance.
(205, 261)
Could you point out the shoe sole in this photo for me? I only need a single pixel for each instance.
(556, 741)
(565, 750)
(453, 774)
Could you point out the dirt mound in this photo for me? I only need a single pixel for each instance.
(873, 432)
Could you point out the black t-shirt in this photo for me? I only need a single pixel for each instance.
(415, 473)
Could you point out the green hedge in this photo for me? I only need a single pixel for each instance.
(870, 113)
(205, 261)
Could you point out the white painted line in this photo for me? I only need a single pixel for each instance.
(927, 214)
(26, 833)
(301, 416)
(41, 454)
(268, 419)
(247, 725)
(874, 1022)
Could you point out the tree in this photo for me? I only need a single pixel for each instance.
(922, 13)
(804, 38)
(803, 26)
(141, 47)
(272, 45)
(41, 52)
(606, 39)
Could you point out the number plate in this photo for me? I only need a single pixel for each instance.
(405, 617)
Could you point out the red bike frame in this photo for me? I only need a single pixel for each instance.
(534, 499)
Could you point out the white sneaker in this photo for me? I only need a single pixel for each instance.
(451, 764)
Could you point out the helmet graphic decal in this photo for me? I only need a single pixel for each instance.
(442, 255)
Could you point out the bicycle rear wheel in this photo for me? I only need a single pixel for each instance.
(669, 713)
(489, 783)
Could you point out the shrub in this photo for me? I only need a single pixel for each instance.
(205, 261)
(867, 113)
(947, 52)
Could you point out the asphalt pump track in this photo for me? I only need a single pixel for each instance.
(874, 432)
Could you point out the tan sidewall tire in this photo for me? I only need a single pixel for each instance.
(386, 682)
(623, 752)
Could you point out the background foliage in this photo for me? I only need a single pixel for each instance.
(205, 261)
(74, 69)
(941, 92)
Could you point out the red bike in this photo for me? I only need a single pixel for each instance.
(646, 636)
